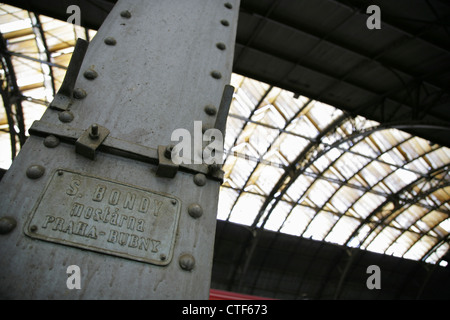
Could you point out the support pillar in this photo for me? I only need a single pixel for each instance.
(94, 185)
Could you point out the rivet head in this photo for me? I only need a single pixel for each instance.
(186, 262)
(110, 41)
(51, 141)
(200, 179)
(225, 23)
(79, 93)
(195, 210)
(210, 110)
(35, 171)
(7, 224)
(216, 74)
(90, 74)
(33, 228)
(221, 46)
(228, 5)
(65, 116)
(125, 14)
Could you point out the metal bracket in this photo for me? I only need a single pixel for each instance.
(166, 167)
(224, 108)
(64, 98)
(90, 140)
(123, 148)
(215, 171)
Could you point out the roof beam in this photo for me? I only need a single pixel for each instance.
(394, 196)
(392, 21)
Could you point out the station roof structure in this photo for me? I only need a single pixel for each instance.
(337, 142)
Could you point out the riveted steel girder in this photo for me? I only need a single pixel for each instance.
(92, 186)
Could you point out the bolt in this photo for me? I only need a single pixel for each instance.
(186, 262)
(200, 179)
(221, 46)
(79, 93)
(65, 116)
(228, 5)
(225, 23)
(125, 14)
(94, 132)
(168, 152)
(7, 224)
(195, 210)
(90, 74)
(216, 74)
(51, 141)
(110, 41)
(35, 171)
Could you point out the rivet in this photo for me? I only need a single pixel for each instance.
(79, 93)
(65, 116)
(90, 74)
(110, 41)
(216, 74)
(195, 210)
(162, 257)
(212, 168)
(186, 262)
(174, 202)
(33, 228)
(228, 5)
(200, 179)
(125, 14)
(225, 23)
(35, 171)
(93, 134)
(7, 224)
(210, 110)
(51, 141)
(221, 46)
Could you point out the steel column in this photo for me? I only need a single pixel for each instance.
(91, 186)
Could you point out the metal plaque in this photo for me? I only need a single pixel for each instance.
(106, 216)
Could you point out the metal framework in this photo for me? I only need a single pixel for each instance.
(352, 161)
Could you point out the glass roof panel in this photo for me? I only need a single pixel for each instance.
(298, 220)
(246, 209)
(342, 230)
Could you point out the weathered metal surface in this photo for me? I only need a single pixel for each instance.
(106, 216)
(156, 78)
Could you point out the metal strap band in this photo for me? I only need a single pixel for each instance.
(120, 147)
